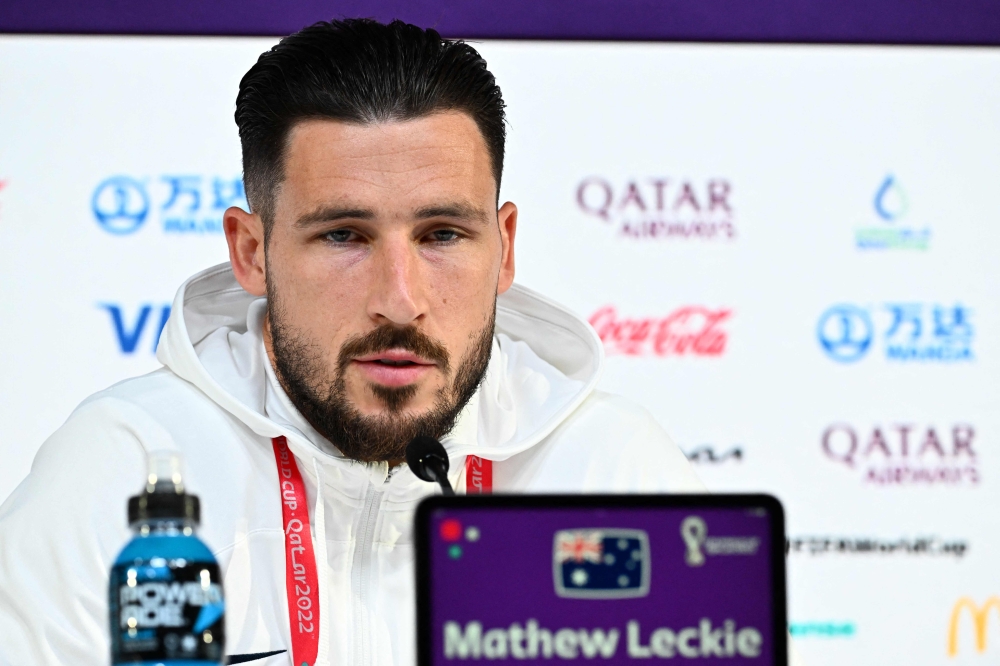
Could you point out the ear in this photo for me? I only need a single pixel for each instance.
(245, 237)
(507, 217)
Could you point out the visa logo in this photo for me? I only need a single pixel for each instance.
(132, 326)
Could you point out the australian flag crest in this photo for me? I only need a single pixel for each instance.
(601, 563)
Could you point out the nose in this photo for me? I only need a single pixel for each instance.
(397, 294)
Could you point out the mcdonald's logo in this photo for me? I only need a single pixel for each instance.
(980, 615)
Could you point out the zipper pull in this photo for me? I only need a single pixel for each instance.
(378, 473)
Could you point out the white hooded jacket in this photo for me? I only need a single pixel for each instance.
(537, 415)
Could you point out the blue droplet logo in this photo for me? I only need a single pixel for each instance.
(890, 200)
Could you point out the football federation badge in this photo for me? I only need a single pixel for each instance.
(601, 563)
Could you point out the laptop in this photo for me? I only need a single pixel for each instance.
(601, 579)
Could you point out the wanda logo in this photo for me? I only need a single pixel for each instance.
(692, 330)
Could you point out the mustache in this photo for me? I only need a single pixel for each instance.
(387, 337)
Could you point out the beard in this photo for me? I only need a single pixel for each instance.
(321, 396)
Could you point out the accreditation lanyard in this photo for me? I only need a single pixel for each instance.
(478, 476)
(301, 580)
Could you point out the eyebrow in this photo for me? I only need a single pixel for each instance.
(334, 213)
(458, 211)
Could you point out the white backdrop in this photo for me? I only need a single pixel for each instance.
(792, 253)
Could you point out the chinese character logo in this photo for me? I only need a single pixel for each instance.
(913, 332)
(120, 205)
(186, 211)
(845, 333)
(601, 563)
(183, 203)
(944, 336)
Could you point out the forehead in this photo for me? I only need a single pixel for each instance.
(387, 164)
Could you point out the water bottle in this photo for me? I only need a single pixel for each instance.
(165, 592)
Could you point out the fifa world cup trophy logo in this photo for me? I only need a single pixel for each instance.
(694, 531)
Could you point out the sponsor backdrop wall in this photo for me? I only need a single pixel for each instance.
(792, 254)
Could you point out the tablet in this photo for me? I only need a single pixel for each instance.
(624, 579)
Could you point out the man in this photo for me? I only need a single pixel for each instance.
(369, 298)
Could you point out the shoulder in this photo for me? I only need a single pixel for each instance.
(104, 441)
(157, 394)
(97, 458)
(159, 410)
(123, 421)
(68, 514)
(106, 435)
(608, 444)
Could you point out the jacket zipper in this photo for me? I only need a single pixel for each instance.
(361, 576)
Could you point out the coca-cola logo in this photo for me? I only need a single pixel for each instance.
(692, 330)
(660, 207)
(905, 454)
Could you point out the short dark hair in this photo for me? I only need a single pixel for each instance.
(359, 71)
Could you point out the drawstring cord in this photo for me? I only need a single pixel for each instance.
(323, 653)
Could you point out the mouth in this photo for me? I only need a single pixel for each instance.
(393, 367)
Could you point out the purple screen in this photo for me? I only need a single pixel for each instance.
(609, 585)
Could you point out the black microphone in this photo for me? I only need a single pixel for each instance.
(429, 461)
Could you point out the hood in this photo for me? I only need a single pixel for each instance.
(546, 361)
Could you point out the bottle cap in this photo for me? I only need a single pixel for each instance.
(164, 496)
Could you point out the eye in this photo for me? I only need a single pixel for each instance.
(444, 235)
(340, 235)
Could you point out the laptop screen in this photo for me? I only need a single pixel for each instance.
(616, 579)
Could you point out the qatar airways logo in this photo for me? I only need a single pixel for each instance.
(905, 454)
(691, 330)
(661, 208)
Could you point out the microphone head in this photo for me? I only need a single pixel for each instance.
(427, 458)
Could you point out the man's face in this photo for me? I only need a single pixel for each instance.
(382, 268)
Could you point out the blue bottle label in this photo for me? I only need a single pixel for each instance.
(166, 610)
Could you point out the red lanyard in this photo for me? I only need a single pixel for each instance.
(478, 476)
(301, 582)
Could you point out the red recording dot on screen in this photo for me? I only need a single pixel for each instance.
(451, 530)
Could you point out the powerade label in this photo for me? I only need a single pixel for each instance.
(166, 609)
